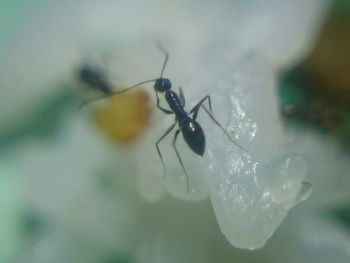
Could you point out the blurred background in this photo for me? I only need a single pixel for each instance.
(69, 189)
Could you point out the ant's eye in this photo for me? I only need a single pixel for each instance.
(162, 85)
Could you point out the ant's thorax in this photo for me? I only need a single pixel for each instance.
(175, 105)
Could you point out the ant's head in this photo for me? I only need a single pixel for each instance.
(162, 85)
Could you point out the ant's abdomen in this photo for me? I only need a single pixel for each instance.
(193, 135)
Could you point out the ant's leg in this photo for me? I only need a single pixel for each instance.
(195, 110)
(180, 160)
(182, 97)
(161, 108)
(199, 104)
(157, 147)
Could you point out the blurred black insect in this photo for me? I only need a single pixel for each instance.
(191, 130)
(94, 78)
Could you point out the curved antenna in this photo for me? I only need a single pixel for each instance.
(83, 104)
(166, 53)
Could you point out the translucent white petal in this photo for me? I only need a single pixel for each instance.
(251, 191)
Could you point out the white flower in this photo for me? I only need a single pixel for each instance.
(232, 51)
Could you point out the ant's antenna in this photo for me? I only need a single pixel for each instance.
(83, 104)
(166, 53)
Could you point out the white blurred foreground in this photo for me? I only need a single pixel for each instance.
(231, 50)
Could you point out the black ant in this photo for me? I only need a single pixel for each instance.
(191, 130)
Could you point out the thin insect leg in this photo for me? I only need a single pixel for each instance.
(195, 110)
(157, 147)
(161, 108)
(180, 160)
(182, 97)
(196, 107)
(234, 141)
